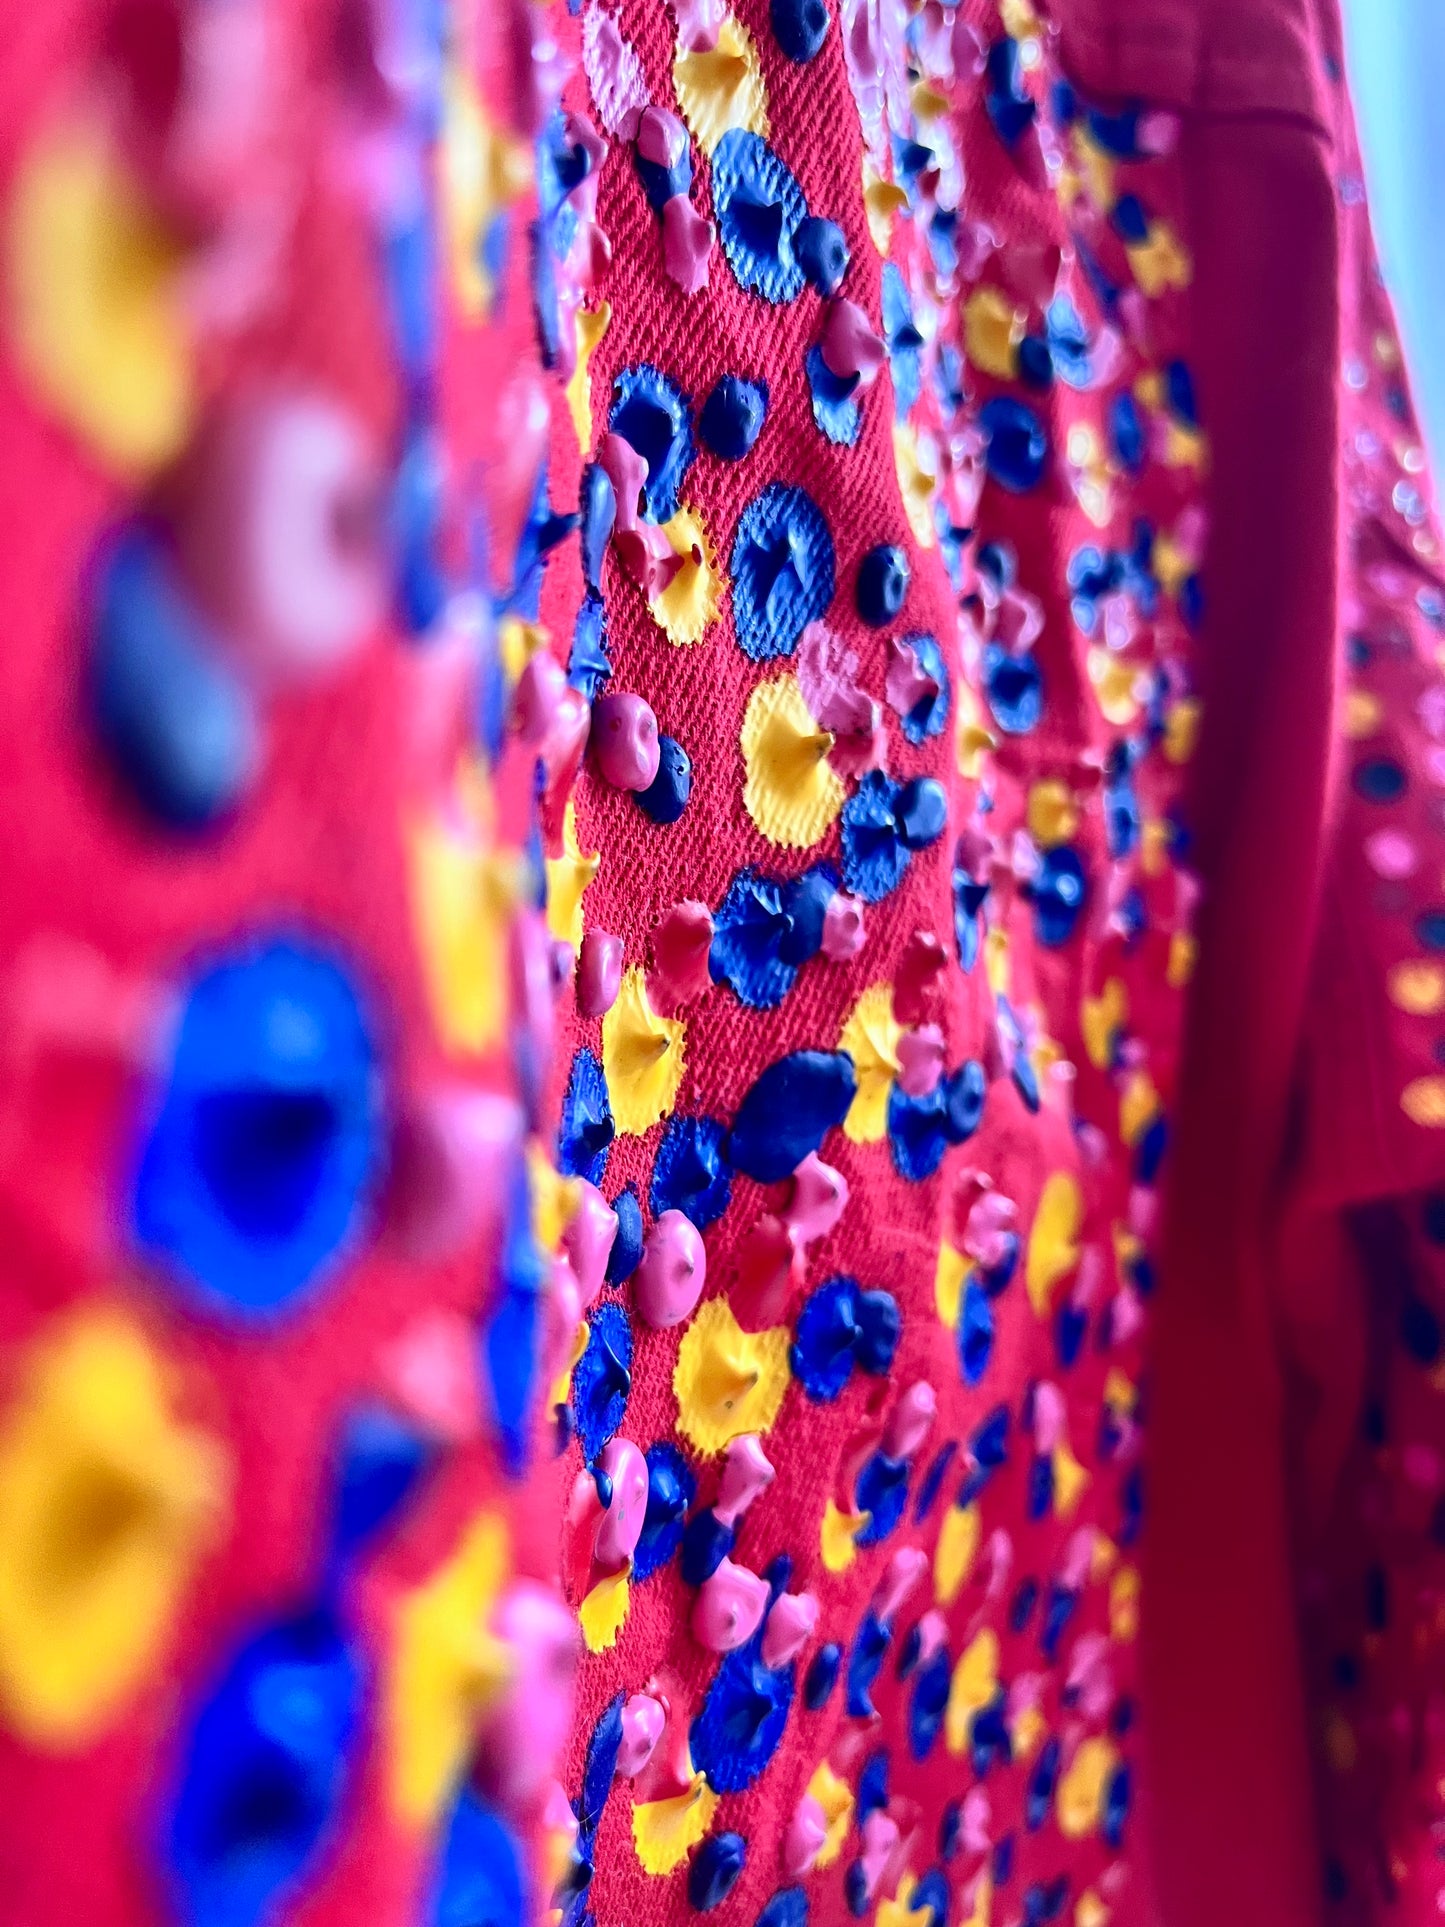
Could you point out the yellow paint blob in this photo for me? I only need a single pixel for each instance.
(643, 1056)
(870, 1037)
(1053, 1240)
(790, 790)
(721, 88)
(95, 309)
(690, 601)
(108, 1503)
(568, 876)
(728, 1381)
(447, 1669)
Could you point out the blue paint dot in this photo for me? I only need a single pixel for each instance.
(1014, 688)
(258, 1172)
(800, 27)
(626, 1253)
(759, 207)
(929, 714)
(691, 1172)
(479, 1874)
(822, 253)
(178, 725)
(715, 1870)
(602, 1379)
(1017, 443)
(882, 584)
(732, 416)
(586, 1132)
(650, 413)
(670, 791)
(782, 570)
(789, 1111)
(671, 1489)
(822, 1676)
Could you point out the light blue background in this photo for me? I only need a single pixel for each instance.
(1397, 69)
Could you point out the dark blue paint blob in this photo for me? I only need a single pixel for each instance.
(599, 512)
(822, 1676)
(787, 1908)
(882, 1492)
(927, 1705)
(589, 665)
(975, 1333)
(1017, 443)
(741, 1722)
(418, 510)
(917, 1132)
(670, 791)
(602, 1378)
(835, 408)
(750, 933)
(587, 1129)
(380, 1461)
(479, 1880)
(872, 1784)
(671, 1489)
(822, 253)
(1059, 891)
(626, 1253)
(875, 853)
(177, 723)
(759, 207)
(650, 412)
(902, 338)
(1014, 687)
(691, 1172)
(789, 1111)
(1006, 98)
(879, 1324)
(706, 1542)
(258, 1170)
(864, 1662)
(800, 27)
(510, 1336)
(603, 1745)
(267, 1767)
(715, 1870)
(822, 1355)
(930, 713)
(663, 184)
(882, 585)
(732, 416)
(933, 1478)
(782, 571)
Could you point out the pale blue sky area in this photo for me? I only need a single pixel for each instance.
(1397, 68)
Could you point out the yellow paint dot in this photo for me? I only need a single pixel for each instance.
(447, 1668)
(721, 88)
(916, 460)
(1138, 1107)
(1053, 1240)
(1070, 1482)
(948, 1279)
(665, 1832)
(993, 327)
(643, 1056)
(690, 601)
(1114, 683)
(882, 199)
(603, 1613)
(1052, 817)
(484, 170)
(463, 894)
(1418, 988)
(1423, 1102)
(1091, 1911)
(591, 325)
(1124, 1604)
(1082, 1788)
(96, 319)
(728, 1381)
(108, 1502)
(568, 876)
(838, 1538)
(974, 1683)
(870, 1037)
(957, 1548)
(790, 791)
(835, 1797)
(1161, 262)
(972, 740)
(1363, 714)
(1101, 1019)
(1181, 730)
